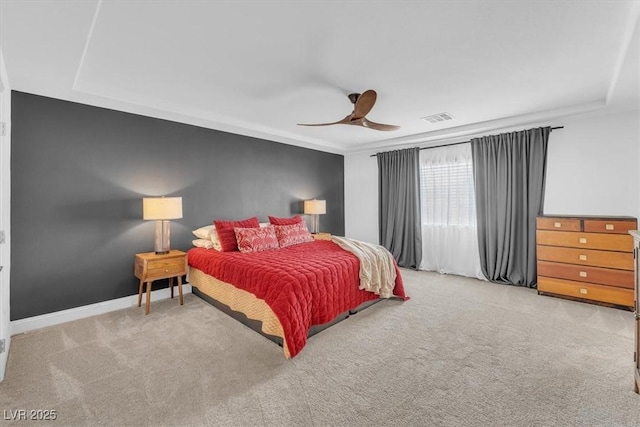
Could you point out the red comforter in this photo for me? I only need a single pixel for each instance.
(305, 285)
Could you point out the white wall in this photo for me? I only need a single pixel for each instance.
(361, 197)
(5, 222)
(593, 168)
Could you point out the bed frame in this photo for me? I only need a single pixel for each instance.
(256, 325)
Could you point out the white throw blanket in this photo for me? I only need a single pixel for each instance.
(377, 267)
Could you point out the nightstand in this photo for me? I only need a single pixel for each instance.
(150, 266)
(322, 236)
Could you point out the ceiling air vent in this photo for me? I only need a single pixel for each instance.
(436, 118)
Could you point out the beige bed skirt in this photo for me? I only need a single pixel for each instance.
(241, 301)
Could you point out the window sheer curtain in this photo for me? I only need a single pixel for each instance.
(449, 232)
(509, 173)
(399, 205)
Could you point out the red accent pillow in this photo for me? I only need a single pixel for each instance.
(226, 234)
(256, 239)
(285, 221)
(293, 234)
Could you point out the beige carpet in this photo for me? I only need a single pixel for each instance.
(460, 353)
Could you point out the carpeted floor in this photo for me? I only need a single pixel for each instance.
(460, 353)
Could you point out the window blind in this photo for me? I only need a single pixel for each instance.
(447, 192)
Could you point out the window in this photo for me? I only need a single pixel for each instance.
(447, 192)
(449, 232)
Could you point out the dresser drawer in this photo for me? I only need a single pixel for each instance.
(611, 227)
(609, 242)
(608, 259)
(558, 224)
(583, 273)
(608, 294)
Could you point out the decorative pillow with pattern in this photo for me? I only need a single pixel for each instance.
(256, 239)
(226, 232)
(293, 234)
(285, 221)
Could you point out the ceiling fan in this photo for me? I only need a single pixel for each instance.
(362, 104)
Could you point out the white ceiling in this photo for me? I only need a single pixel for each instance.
(258, 68)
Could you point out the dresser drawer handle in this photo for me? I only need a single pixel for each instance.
(166, 271)
(584, 291)
(557, 224)
(582, 257)
(582, 240)
(609, 227)
(583, 274)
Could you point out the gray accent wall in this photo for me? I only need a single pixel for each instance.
(78, 175)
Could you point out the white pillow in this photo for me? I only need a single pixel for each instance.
(208, 232)
(205, 232)
(204, 243)
(264, 224)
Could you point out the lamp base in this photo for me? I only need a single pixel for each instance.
(162, 238)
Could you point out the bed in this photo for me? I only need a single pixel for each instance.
(290, 293)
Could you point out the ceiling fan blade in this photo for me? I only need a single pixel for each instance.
(364, 104)
(344, 121)
(378, 126)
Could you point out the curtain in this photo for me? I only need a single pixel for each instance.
(449, 232)
(509, 173)
(399, 205)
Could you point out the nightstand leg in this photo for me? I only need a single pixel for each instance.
(171, 285)
(140, 293)
(180, 289)
(146, 309)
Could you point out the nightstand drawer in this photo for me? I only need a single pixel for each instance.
(322, 236)
(166, 263)
(171, 269)
(167, 266)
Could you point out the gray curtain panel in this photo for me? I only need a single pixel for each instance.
(509, 172)
(399, 205)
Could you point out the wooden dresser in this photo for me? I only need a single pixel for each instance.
(586, 258)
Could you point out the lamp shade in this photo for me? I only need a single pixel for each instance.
(161, 208)
(315, 207)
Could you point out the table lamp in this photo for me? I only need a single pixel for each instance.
(315, 207)
(162, 209)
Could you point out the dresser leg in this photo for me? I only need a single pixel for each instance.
(146, 309)
(140, 293)
(635, 387)
(171, 285)
(180, 289)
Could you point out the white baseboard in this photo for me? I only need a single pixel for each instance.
(50, 319)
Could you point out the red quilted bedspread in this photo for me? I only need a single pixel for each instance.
(305, 285)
